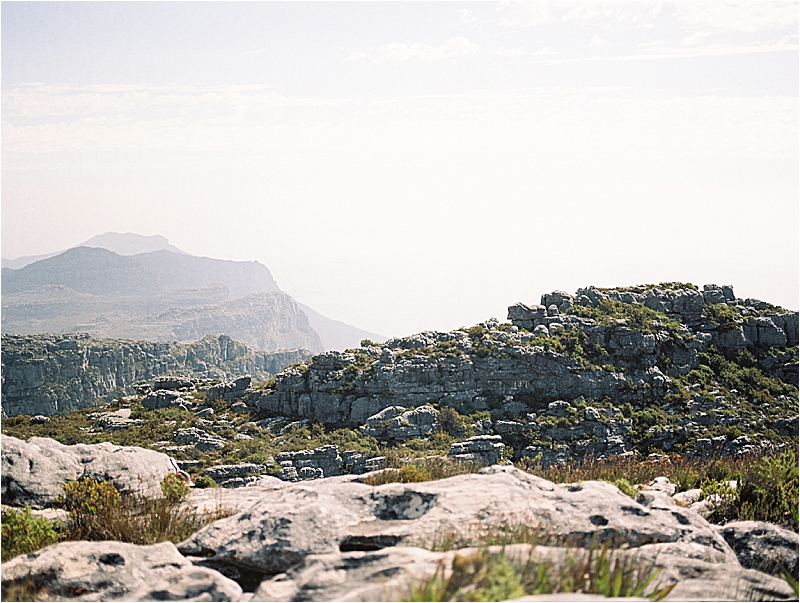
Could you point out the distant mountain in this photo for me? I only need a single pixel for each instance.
(101, 272)
(162, 295)
(130, 243)
(121, 244)
(266, 321)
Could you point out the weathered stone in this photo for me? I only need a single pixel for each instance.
(93, 571)
(115, 421)
(161, 399)
(34, 472)
(223, 472)
(172, 382)
(485, 449)
(763, 546)
(326, 516)
(207, 443)
(189, 584)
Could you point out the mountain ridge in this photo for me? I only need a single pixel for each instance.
(110, 294)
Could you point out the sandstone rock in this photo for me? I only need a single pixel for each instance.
(115, 421)
(188, 435)
(189, 584)
(172, 382)
(34, 472)
(662, 484)
(231, 390)
(207, 443)
(161, 399)
(338, 514)
(220, 473)
(763, 546)
(93, 571)
(485, 449)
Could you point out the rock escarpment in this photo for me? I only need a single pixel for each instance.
(50, 374)
(602, 372)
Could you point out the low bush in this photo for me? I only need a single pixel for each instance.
(421, 470)
(24, 533)
(204, 481)
(767, 486)
(97, 511)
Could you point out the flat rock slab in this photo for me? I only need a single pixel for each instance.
(93, 571)
(34, 472)
(342, 515)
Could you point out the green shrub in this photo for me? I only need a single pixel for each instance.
(451, 421)
(174, 487)
(421, 470)
(204, 481)
(93, 507)
(24, 533)
(97, 511)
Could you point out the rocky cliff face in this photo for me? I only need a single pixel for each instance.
(50, 374)
(602, 372)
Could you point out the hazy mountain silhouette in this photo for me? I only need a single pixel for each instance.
(163, 295)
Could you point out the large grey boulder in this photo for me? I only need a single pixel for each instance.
(763, 546)
(341, 514)
(34, 472)
(108, 571)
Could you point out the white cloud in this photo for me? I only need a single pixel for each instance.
(514, 15)
(739, 16)
(454, 47)
(508, 52)
(597, 41)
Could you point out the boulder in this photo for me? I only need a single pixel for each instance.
(188, 584)
(162, 398)
(172, 382)
(763, 546)
(34, 472)
(99, 571)
(115, 421)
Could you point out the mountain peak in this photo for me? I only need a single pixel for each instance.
(130, 243)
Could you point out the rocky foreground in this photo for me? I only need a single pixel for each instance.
(340, 539)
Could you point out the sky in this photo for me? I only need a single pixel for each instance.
(414, 166)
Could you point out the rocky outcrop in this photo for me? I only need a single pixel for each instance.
(324, 461)
(51, 374)
(484, 449)
(34, 472)
(679, 302)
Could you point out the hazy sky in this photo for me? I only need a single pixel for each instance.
(414, 166)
